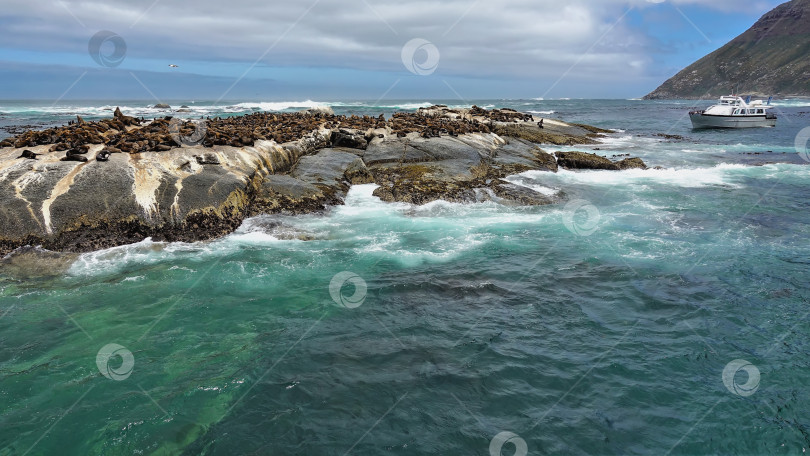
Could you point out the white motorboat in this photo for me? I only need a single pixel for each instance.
(734, 112)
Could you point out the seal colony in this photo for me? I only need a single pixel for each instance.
(91, 185)
(132, 135)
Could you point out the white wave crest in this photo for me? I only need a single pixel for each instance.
(720, 175)
(281, 105)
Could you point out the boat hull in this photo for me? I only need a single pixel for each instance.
(700, 120)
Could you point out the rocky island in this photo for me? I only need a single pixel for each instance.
(92, 185)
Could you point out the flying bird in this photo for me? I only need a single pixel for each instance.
(173, 65)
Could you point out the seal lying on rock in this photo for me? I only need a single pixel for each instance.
(73, 157)
(59, 147)
(83, 149)
(126, 120)
(28, 154)
(103, 156)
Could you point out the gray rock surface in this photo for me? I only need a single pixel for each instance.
(315, 182)
(583, 160)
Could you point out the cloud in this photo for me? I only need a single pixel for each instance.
(737, 6)
(518, 38)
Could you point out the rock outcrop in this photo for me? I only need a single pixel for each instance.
(461, 169)
(316, 181)
(583, 160)
(195, 192)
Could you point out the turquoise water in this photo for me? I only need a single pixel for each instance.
(603, 330)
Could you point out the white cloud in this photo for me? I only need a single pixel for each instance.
(537, 37)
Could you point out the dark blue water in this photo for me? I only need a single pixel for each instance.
(610, 325)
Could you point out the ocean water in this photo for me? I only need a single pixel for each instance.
(658, 312)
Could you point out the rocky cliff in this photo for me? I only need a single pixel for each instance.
(768, 59)
(92, 185)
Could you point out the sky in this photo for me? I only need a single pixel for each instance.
(269, 50)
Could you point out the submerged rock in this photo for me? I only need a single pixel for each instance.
(510, 194)
(35, 263)
(275, 226)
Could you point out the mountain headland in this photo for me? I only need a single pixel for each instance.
(768, 59)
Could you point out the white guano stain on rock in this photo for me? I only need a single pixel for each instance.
(145, 186)
(58, 190)
(21, 183)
